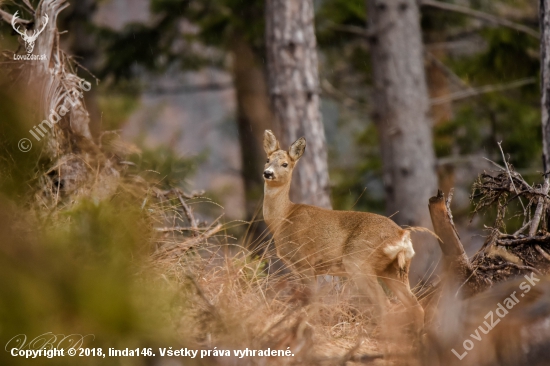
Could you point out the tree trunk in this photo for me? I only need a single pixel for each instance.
(402, 116)
(83, 45)
(51, 81)
(438, 86)
(544, 16)
(294, 92)
(253, 118)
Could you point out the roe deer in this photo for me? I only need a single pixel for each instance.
(314, 241)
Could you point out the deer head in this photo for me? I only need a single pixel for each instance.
(280, 163)
(28, 39)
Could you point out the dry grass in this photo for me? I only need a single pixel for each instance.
(236, 299)
(229, 297)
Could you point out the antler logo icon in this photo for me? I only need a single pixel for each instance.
(28, 39)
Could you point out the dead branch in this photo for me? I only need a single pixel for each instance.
(489, 189)
(509, 174)
(481, 15)
(509, 264)
(540, 206)
(186, 209)
(338, 95)
(8, 18)
(491, 264)
(502, 254)
(351, 29)
(29, 6)
(175, 228)
(543, 239)
(472, 92)
(522, 229)
(178, 249)
(449, 73)
(542, 252)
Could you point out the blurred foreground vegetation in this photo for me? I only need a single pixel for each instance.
(76, 268)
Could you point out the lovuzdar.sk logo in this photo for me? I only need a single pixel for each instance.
(29, 39)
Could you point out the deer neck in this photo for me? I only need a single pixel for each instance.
(277, 203)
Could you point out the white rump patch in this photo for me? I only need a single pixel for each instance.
(404, 245)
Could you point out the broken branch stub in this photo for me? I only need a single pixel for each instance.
(444, 227)
(456, 261)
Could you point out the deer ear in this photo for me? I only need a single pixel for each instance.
(297, 149)
(270, 142)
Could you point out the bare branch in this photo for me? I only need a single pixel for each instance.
(542, 252)
(177, 250)
(187, 210)
(8, 18)
(482, 90)
(352, 29)
(510, 175)
(510, 264)
(348, 101)
(528, 240)
(522, 229)
(29, 6)
(448, 72)
(540, 206)
(175, 228)
(482, 16)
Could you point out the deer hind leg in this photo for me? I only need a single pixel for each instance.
(366, 281)
(396, 277)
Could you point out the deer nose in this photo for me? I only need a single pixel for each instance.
(268, 174)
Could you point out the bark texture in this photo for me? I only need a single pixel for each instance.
(253, 118)
(544, 15)
(294, 93)
(82, 42)
(54, 83)
(402, 115)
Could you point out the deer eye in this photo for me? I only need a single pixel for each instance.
(285, 165)
(267, 160)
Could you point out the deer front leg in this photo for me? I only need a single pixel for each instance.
(309, 284)
(301, 267)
